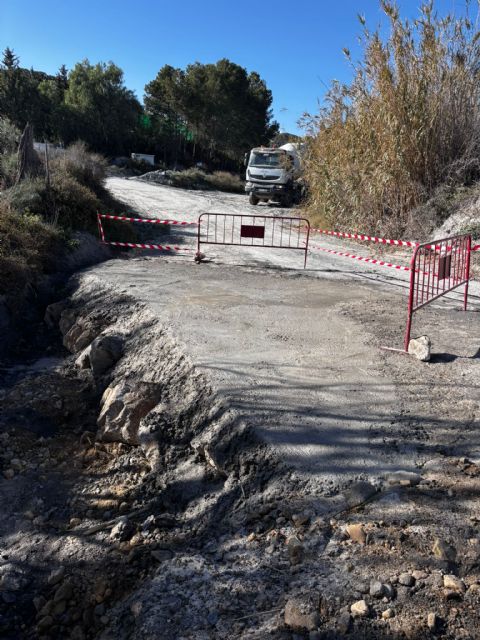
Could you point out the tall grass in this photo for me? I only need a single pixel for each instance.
(408, 122)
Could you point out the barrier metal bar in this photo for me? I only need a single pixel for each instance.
(437, 268)
(272, 232)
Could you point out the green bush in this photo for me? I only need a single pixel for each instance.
(73, 205)
(27, 197)
(8, 169)
(28, 247)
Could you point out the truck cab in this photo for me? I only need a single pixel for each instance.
(272, 174)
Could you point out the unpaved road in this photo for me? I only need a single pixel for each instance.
(280, 345)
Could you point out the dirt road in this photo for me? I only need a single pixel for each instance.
(280, 345)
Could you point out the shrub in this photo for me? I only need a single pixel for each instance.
(8, 169)
(28, 247)
(89, 169)
(9, 136)
(408, 122)
(27, 197)
(73, 205)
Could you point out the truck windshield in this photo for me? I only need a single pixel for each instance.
(259, 159)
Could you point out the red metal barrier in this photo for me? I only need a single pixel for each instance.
(273, 232)
(435, 269)
(139, 245)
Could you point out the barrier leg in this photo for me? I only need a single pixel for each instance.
(408, 329)
(467, 272)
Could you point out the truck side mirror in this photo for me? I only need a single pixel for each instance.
(245, 160)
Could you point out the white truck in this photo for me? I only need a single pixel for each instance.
(273, 174)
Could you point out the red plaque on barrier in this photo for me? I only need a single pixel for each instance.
(251, 231)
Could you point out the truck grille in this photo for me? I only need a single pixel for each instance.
(261, 176)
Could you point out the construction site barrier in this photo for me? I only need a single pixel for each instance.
(139, 245)
(273, 232)
(435, 269)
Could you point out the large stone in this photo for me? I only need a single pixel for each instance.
(358, 493)
(443, 551)
(455, 584)
(101, 354)
(53, 313)
(360, 609)
(302, 613)
(420, 348)
(123, 406)
(356, 533)
(404, 478)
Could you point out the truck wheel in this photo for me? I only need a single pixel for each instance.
(252, 198)
(287, 200)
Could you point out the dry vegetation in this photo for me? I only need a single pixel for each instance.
(218, 180)
(408, 123)
(38, 213)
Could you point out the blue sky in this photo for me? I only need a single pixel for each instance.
(295, 45)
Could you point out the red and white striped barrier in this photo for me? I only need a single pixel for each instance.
(362, 236)
(182, 223)
(136, 245)
(140, 245)
(381, 263)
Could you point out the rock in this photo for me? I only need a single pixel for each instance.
(443, 551)
(420, 348)
(8, 474)
(162, 554)
(74, 522)
(356, 533)
(295, 550)
(360, 609)
(45, 623)
(67, 320)
(300, 519)
(64, 592)
(388, 613)
(377, 589)
(358, 493)
(432, 621)
(16, 464)
(123, 406)
(302, 614)
(103, 353)
(404, 478)
(53, 313)
(406, 580)
(420, 575)
(344, 622)
(39, 602)
(77, 633)
(56, 576)
(122, 530)
(453, 583)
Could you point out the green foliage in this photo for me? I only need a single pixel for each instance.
(9, 136)
(74, 204)
(218, 107)
(8, 169)
(105, 114)
(408, 122)
(28, 246)
(27, 197)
